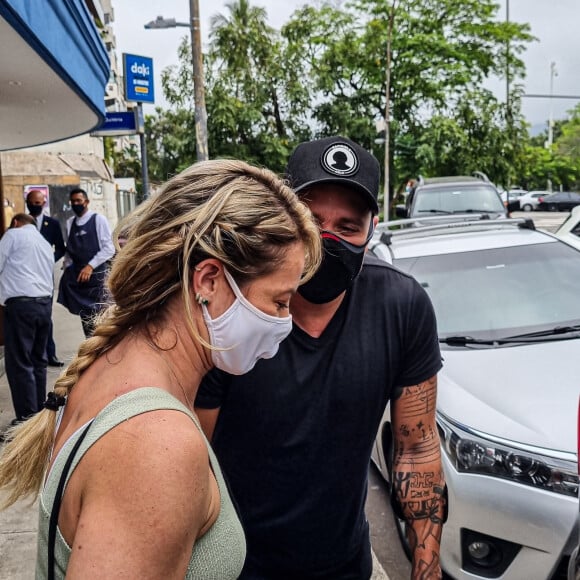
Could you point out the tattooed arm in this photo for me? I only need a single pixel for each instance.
(418, 481)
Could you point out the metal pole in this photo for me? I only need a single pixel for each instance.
(551, 117)
(508, 104)
(387, 185)
(553, 73)
(198, 87)
(144, 168)
(507, 58)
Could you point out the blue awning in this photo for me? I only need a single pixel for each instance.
(53, 72)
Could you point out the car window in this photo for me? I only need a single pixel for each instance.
(457, 199)
(500, 292)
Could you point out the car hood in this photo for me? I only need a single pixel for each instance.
(527, 394)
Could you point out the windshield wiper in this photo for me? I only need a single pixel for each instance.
(465, 340)
(434, 211)
(551, 333)
(555, 331)
(478, 211)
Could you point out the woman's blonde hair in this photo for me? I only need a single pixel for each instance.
(244, 216)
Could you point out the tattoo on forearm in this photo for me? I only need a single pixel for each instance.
(427, 570)
(418, 480)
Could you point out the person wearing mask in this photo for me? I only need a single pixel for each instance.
(51, 231)
(89, 247)
(204, 280)
(26, 287)
(294, 436)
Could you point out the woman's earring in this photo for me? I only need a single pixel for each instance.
(201, 300)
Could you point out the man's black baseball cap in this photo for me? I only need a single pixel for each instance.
(335, 160)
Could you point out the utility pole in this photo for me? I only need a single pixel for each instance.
(508, 104)
(553, 73)
(198, 84)
(387, 165)
(550, 140)
(197, 62)
(507, 60)
(143, 144)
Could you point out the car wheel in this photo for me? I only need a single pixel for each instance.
(400, 524)
(527, 207)
(553, 207)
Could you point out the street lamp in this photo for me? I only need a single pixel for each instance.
(161, 22)
(197, 61)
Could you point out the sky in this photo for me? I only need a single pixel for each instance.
(553, 22)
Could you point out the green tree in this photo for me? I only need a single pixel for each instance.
(324, 73)
(251, 98)
(170, 142)
(473, 136)
(442, 50)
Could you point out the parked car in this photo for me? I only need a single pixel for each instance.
(512, 195)
(452, 195)
(506, 300)
(559, 201)
(530, 200)
(569, 231)
(574, 566)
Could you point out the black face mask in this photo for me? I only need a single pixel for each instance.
(341, 264)
(78, 209)
(34, 210)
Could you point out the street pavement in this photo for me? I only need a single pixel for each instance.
(549, 221)
(18, 524)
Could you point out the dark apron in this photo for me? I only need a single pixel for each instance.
(82, 245)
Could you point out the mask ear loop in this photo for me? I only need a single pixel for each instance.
(358, 248)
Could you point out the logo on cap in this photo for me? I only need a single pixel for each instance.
(340, 159)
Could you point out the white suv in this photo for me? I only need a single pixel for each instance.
(506, 300)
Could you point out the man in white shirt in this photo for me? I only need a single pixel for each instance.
(51, 232)
(26, 287)
(88, 249)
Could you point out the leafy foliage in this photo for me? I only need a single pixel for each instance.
(324, 73)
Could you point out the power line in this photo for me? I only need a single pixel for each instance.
(533, 96)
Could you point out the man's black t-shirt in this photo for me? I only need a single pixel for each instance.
(294, 435)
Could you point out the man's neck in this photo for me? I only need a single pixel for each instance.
(313, 318)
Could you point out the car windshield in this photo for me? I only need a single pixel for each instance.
(458, 199)
(502, 292)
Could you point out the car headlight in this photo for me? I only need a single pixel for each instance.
(472, 453)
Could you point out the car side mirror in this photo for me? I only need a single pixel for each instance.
(401, 210)
(513, 205)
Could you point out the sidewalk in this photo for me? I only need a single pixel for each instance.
(18, 524)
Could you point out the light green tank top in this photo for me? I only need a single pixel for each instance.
(218, 555)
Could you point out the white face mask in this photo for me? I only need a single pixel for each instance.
(246, 332)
